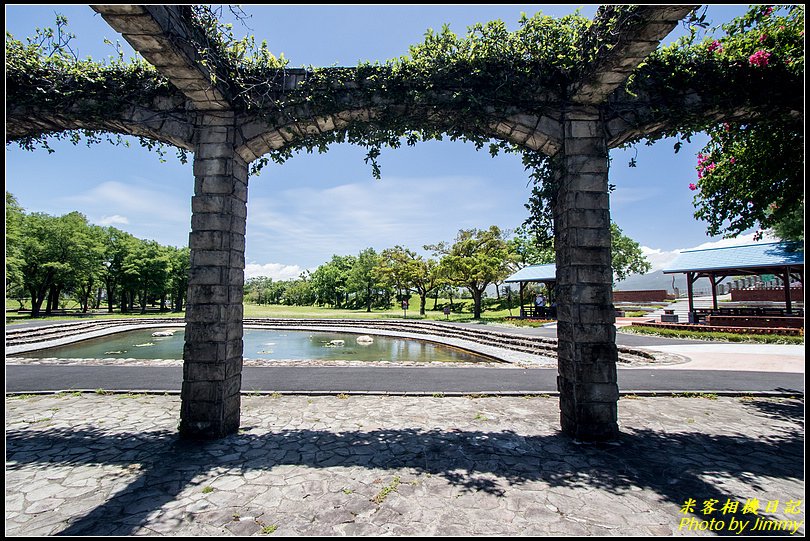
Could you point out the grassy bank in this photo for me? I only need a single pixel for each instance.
(495, 312)
(715, 336)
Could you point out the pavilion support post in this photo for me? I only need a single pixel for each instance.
(712, 277)
(522, 310)
(587, 353)
(690, 281)
(786, 280)
(212, 357)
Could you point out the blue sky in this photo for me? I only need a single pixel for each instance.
(302, 212)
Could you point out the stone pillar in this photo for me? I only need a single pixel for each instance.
(212, 357)
(586, 335)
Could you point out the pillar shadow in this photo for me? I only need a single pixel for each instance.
(676, 466)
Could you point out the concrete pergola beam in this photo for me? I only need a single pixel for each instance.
(634, 39)
(162, 35)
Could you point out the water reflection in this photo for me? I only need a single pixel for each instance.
(267, 345)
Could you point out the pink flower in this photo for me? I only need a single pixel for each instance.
(693, 186)
(727, 126)
(768, 11)
(763, 37)
(732, 160)
(715, 46)
(700, 174)
(759, 58)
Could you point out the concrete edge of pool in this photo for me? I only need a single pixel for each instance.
(499, 347)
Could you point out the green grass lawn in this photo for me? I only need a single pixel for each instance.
(462, 312)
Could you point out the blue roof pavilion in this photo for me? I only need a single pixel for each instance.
(784, 259)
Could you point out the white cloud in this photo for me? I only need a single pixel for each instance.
(308, 225)
(660, 259)
(276, 271)
(149, 205)
(114, 219)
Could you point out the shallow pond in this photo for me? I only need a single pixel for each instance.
(265, 344)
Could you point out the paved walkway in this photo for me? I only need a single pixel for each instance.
(112, 465)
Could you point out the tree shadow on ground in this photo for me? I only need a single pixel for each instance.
(675, 466)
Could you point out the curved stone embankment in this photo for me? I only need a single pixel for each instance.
(502, 346)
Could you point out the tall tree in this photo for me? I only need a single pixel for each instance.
(147, 268)
(361, 277)
(329, 280)
(15, 215)
(117, 245)
(477, 259)
(179, 263)
(406, 269)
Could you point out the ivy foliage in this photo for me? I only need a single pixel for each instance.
(456, 86)
(751, 172)
(43, 73)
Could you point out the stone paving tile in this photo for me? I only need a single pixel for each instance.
(110, 465)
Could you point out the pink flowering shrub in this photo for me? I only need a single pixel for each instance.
(759, 58)
(715, 46)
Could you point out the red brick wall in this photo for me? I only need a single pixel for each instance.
(775, 295)
(650, 295)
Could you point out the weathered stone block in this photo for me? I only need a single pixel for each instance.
(237, 242)
(205, 276)
(591, 314)
(594, 333)
(233, 366)
(591, 294)
(209, 204)
(208, 294)
(236, 277)
(579, 164)
(206, 240)
(214, 150)
(205, 391)
(581, 128)
(585, 146)
(593, 237)
(194, 371)
(217, 185)
(218, 258)
(599, 256)
(204, 313)
(594, 274)
(205, 332)
(211, 222)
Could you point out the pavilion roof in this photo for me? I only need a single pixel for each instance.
(751, 258)
(535, 273)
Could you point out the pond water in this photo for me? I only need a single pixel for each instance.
(264, 344)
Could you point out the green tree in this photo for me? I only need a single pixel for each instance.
(15, 215)
(117, 245)
(477, 259)
(330, 279)
(404, 268)
(147, 270)
(361, 277)
(179, 264)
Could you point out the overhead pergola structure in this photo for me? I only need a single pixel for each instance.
(538, 274)
(195, 106)
(783, 259)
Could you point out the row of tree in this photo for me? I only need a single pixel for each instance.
(476, 260)
(49, 258)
